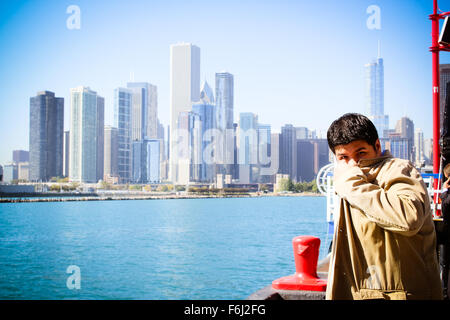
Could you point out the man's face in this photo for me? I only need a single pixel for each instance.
(351, 153)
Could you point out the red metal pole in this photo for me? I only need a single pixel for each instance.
(436, 113)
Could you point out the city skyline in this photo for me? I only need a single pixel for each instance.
(279, 53)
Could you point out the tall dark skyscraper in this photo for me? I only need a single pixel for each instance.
(444, 75)
(46, 136)
(288, 151)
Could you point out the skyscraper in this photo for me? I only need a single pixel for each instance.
(153, 160)
(225, 118)
(444, 76)
(224, 100)
(111, 149)
(100, 136)
(288, 151)
(419, 147)
(46, 136)
(122, 121)
(188, 146)
(248, 146)
(305, 160)
(202, 142)
(66, 153)
(184, 90)
(21, 156)
(83, 135)
(375, 95)
(264, 152)
(144, 111)
(397, 145)
(405, 127)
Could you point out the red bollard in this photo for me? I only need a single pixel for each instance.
(306, 254)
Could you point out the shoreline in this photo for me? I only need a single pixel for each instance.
(159, 196)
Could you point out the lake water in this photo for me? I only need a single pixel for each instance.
(224, 248)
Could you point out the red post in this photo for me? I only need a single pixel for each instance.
(306, 254)
(436, 107)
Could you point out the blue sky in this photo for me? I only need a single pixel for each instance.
(298, 62)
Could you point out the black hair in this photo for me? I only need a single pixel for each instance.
(351, 127)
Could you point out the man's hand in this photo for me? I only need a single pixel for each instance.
(343, 171)
(447, 183)
(343, 166)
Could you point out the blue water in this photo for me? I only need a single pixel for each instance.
(153, 249)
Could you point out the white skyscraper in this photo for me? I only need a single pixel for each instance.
(184, 90)
(83, 135)
(419, 146)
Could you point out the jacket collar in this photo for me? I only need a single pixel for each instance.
(364, 163)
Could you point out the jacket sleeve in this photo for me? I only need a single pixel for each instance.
(401, 206)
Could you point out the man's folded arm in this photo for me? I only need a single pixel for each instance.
(399, 208)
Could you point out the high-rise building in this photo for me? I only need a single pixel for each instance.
(224, 100)
(206, 94)
(375, 95)
(146, 161)
(302, 133)
(405, 127)
(225, 118)
(46, 136)
(111, 152)
(444, 76)
(122, 121)
(100, 136)
(312, 155)
(274, 155)
(138, 160)
(419, 147)
(428, 150)
(288, 151)
(66, 148)
(23, 172)
(21, 156)
(264, 152)
(203, 143)
(321, 154)
(305, 160)
(184, 90)
(397, 145)
(153, 160)
(144, 111)
(10, 172)
(83, 135)
(247, 147)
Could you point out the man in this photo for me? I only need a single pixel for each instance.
(384, 245)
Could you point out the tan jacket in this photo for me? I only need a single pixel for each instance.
(384, 243)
